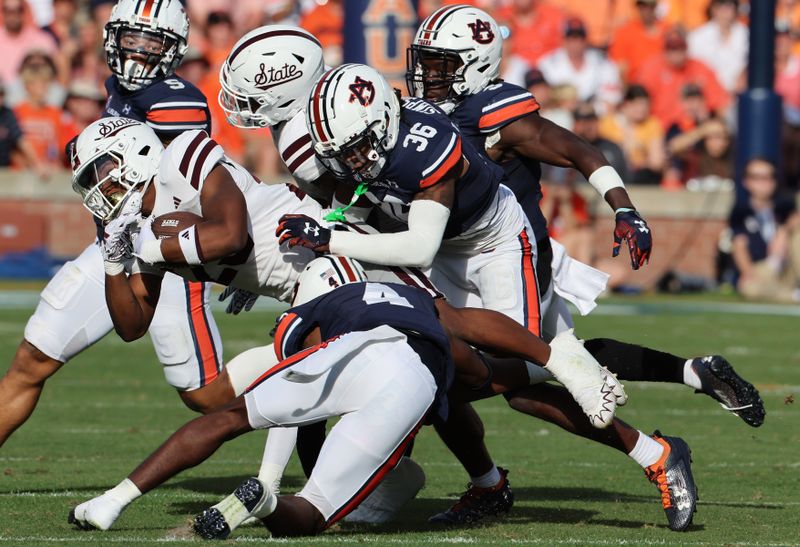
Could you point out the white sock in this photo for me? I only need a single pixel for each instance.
(690, 377)
(125, 492)
(488, 479)
(647, 451)
(267, 505)
(277, 451)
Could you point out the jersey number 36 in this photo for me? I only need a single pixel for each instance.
(419, 135)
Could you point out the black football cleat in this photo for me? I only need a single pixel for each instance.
(219, 521)
(478, 503)
(672, 475)
(734, 393)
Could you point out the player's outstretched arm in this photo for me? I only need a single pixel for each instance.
(538, 138)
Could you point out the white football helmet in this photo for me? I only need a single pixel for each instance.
(324, 274)
(145, 40)
(456, 52)
(267, 75)
(111, 159)
(353, 116)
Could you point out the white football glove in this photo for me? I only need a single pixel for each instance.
(147, 247)
(241, 299)
(117, 243)
(594, 389)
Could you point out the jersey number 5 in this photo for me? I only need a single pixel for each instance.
(419, 135)
(378, 293)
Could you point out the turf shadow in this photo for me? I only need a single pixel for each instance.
(226, 485)
(568, 493)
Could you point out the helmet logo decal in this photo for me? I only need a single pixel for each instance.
(272, 77)
(114, 126)
(481, 31)
(362, 90)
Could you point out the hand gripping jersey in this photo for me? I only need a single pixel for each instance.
(170, 106)
(480, 116)
(262, 266)
(363, 307)
(428, 146)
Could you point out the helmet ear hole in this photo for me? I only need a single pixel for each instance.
(144, 151)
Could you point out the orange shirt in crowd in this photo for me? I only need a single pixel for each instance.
(532, 37)
(326, 22)
(688, 13)
(221, 130)
(602, 19)
(43, 126)
(664, 83)
(633, 44)
(635, 140)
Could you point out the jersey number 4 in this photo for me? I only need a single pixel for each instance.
(378, 293)
(419, 135)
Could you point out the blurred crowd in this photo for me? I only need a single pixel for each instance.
(653, 83)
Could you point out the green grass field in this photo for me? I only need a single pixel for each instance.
(110, 407)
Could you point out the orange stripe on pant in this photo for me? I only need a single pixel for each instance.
(289, 361)
(533, 312)
(201, 333)
(376, 477)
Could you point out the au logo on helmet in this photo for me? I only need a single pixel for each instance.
(481, 31)
(362, 90)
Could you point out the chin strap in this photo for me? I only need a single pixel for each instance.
(337, 215)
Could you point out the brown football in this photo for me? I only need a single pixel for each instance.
(171, 224)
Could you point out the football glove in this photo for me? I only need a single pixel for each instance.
(241, 299)
(304, 231)
(634, 230)
(117, 243)
(146, 246)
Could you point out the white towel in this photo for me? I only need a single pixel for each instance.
(575, 281)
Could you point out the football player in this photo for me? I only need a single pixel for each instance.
(372, 353)
(250, 101)
(454, 62)
(144, 42)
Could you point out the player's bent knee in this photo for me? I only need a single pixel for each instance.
(31, 366)
(211, 396)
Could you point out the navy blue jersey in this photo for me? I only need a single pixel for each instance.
(170, 106)
(479, 116)
(428, 146)
(365, 306)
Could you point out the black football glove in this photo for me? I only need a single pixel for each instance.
(634, 229)
(304, 231)
(241, 299)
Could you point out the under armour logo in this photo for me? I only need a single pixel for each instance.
(482, 31)
(309, 229)
(126, 109)
(642, 226)
(362, 90)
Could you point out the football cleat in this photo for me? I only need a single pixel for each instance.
(247, 500)
(672, 475)
(734, 393)
(98, 513)
(478, 503)
(399, 487)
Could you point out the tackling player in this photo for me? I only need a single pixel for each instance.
(145, 41)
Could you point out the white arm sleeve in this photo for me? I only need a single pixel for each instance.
(417, 246)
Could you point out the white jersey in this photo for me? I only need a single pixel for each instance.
(297, 151)
(262, 267)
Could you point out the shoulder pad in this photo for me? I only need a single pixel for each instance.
(297, 151)
(190, 158)
(444, 152)
(497, 106)
(175, 105)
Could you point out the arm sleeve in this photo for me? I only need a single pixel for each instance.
(417, 246)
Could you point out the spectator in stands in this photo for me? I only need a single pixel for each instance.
(220, 37)
(536, 83)
(83, 105)
(12, 140)
(89, 62)
(766, 238)
(638, 40)
(705, 154)
(18, 36)
(536, 27)
(688, 14)
(36, 61)
(41, 123)
(640, 135)
(722, 44)
(787, 68)
(665, 75)
(594, 77)
(602, 19)
(587, 125)
(683, 135)
(326, 22)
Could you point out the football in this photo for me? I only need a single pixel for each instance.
(171, 224)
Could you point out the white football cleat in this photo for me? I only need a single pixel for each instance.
(98, 513)
(616, 386)
(399, 487)
(595, 390)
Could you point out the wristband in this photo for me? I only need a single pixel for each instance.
(189, 247)
(113, 268)
(624, 210)
(604, 179)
